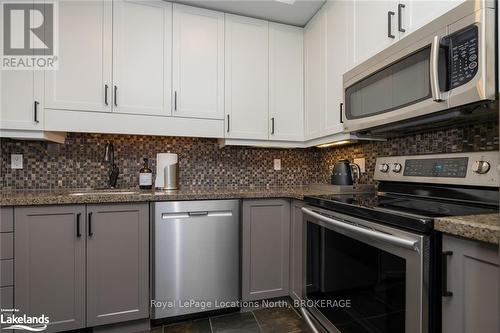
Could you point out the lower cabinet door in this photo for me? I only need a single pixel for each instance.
(50, 264)
(266, 252)
(472, 285)
(117, 263)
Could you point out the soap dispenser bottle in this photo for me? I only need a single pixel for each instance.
(145, 176)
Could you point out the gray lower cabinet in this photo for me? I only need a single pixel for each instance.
(50, 264)
(265, 249)
(296, 250)
(117, 263)
(82, 266)
(6, 259)
(473, 279)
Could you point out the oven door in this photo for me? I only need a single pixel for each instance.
(364, 277)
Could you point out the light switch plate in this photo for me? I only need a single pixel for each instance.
(277, 164)
(16, 161)
(361, 163)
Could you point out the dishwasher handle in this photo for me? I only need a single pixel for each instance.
(205, 213)
(377, 235)
(202, 213)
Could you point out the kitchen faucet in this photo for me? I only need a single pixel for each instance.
(114, 171)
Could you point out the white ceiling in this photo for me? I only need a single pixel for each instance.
(298, 13)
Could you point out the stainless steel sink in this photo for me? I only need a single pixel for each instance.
(103, 193)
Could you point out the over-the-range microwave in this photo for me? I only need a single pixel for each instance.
(448, 63)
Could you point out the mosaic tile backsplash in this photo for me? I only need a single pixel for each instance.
(79, 162)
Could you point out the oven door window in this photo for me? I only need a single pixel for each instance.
(359, 288)
(398, 85)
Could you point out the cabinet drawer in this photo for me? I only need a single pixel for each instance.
(7, 273)
(7, 297)
(6, 219)
(7, 245)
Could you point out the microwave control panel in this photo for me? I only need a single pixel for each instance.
(463, 55)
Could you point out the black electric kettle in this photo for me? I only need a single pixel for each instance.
(342, 173)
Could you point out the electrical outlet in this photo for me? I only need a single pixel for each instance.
(361, 163)
(277, 164)
(16, 161)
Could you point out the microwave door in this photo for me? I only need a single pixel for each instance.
(401, 83)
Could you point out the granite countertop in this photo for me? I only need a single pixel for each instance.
(484, 228)
(55, 197)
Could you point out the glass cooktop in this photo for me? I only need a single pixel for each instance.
(407, 212)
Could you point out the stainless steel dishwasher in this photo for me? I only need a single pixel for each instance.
(196, 251)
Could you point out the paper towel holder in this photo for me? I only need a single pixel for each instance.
(166, 171)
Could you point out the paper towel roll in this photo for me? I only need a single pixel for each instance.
(163, 160)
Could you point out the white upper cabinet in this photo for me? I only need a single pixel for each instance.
(413, 14)
(198, 63)
(142, 33)
(340, 18)
(21, 111)
(376, 27)
(84, 60)
(315, 74)
(246, 78)
(286, 83)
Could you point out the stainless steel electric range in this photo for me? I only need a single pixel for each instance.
(373, 261)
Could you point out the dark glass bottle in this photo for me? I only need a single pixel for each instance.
(145, 177)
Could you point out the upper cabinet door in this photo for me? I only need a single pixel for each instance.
(339, 58)
(376, 27)
(84, 59)
(246, 78)
(21, 97)
(198, 63)
(17, 103)
(414, 14)
(315, 74)
(142, 42)
(286, 82)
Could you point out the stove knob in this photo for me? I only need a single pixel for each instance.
(481, 167)
(396, 167)
(384, 167)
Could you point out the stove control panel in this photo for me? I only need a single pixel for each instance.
(475, 169)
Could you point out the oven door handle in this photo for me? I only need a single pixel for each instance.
(377, 235)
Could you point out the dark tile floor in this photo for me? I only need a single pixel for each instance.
(261, 320)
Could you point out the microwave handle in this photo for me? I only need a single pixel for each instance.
(434, 70)
(377, 235)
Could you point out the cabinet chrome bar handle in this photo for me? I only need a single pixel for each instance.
(400, 17)
(90, 225)
(272, 126)
(228, 123)
(175, 100)
(341, 107)
(78, 232)
(434, 70)
(106, 87)
(35, 112)
(115, 96)
(444, 273)
(390, 14)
